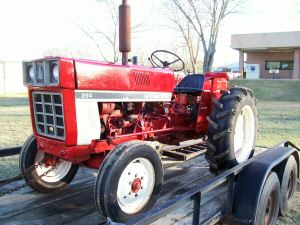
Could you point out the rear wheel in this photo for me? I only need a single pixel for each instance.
(56, 179)
(129, 181)
(288, 185)
(268, 206)
(232, 129)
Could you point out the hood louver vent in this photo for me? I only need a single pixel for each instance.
(142, 79)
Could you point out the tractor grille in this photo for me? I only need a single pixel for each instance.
(48, 114)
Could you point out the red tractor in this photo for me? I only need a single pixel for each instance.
(104, 116)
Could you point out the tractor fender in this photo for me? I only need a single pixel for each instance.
(250, 182)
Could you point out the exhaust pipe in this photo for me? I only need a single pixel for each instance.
(124, 30)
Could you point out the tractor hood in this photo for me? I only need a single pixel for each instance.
(81, 74)
(92, 75)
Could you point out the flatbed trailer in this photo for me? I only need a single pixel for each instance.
(237, 183)
(190, 195)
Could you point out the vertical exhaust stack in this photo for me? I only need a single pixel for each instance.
(124, 30)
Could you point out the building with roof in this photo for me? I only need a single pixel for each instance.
(276, 55)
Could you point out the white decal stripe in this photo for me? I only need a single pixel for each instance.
(122, 96)
(88, 122)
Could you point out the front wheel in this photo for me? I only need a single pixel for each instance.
(33, 172)
(129, 181)
(232, 129)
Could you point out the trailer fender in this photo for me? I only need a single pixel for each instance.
(250, 182)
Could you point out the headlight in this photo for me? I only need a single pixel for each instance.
(41, 73)
(54, 73)
(30, 72)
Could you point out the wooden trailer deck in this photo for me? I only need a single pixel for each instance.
(75, 204)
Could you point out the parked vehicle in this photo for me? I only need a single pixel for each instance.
(233, 73)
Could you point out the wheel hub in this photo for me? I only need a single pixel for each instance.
(290, 189)
(136, 185)
(270, 209)
(244, 134)
(61, 170)
(51, 161)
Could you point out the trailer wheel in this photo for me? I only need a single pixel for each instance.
(129, 181)
(288, 185)
(232, 129)
(55, 180)
(268, 206)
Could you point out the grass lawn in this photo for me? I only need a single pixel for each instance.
(14, 120)
(15, 128)
(278, 121)
(279, 110)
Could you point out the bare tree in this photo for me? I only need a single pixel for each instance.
(109, 37)
(205, 18)
(191, 40)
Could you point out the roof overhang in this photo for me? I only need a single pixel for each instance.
(266, 42)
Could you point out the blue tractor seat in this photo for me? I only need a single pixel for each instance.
(191, 84)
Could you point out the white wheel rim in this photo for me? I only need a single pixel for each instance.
(244, 134)
(135, 185)
(57, 174)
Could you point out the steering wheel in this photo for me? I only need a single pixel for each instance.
(177, 62)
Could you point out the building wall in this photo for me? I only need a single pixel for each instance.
(11, 78)
(297, 64)
(261, 58)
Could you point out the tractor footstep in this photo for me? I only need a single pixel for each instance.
(186, 152)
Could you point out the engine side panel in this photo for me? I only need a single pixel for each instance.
(104, 76)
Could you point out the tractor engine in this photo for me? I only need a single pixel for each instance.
(187, 105)
(119, 119)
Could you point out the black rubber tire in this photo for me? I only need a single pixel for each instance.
(288, 185)
(109, 175)
(27, 157)
(222, 122)
(272, 185)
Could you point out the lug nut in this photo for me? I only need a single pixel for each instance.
(136, 175)
(142, 178)
(128, 173)
(129, 182)
(136, 195)
(141, 187)
(125, 197)
(129, 193)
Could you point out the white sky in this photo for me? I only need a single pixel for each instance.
(28, 28)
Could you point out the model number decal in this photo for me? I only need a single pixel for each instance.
(86, 95)
(154, 96)
(119, 96)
